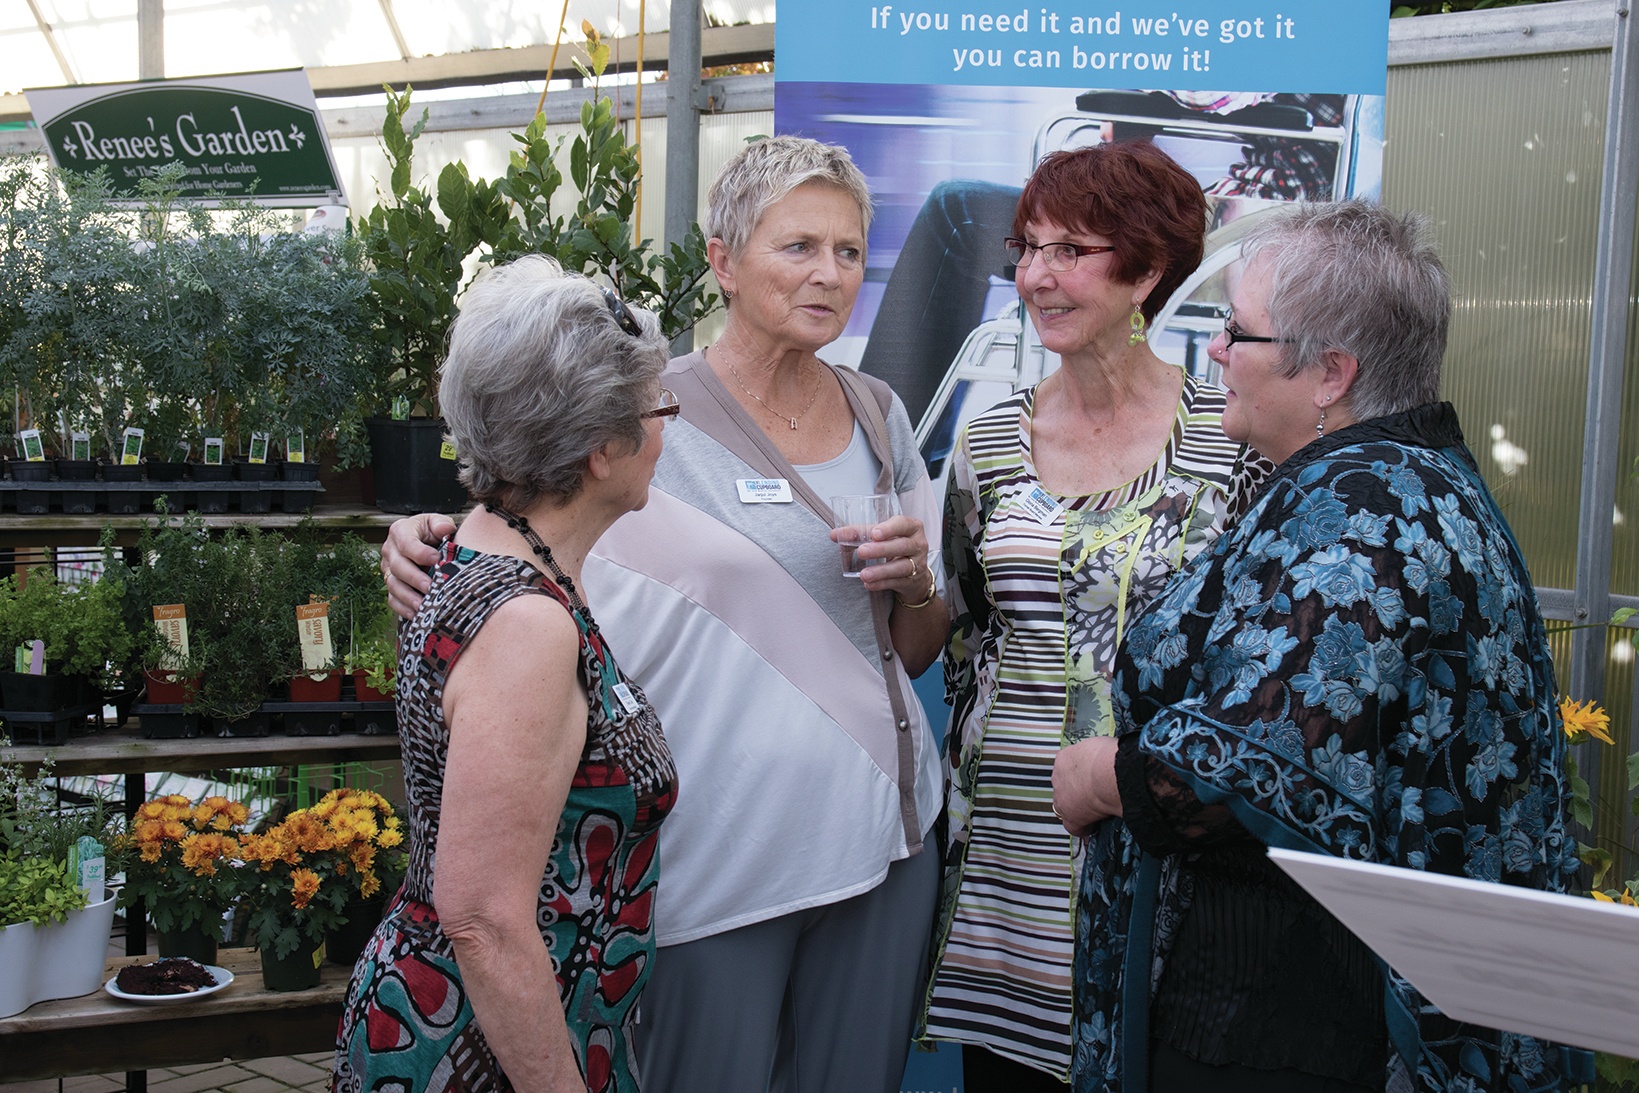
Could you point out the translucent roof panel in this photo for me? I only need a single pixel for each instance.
(48, 43)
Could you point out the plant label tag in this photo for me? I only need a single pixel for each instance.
(446, 450)
(1040, 506)
(36, 657)
(628, 701)
(401, 408)
(92, 867)
(131, 448)
(179, 454)
(296, 448)
(764, 491)
(313, 627)
(213, 451)
(172, 621)
(258, 448)
(33, 450)
(79, 446)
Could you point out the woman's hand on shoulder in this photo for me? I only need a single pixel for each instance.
(411, 548)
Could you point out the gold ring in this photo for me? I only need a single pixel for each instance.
(913, 567)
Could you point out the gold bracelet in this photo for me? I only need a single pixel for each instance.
(933, 590)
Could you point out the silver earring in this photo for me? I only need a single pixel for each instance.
(1320, 426)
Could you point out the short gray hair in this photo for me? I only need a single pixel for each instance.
(539, 376)
(1359, 278)
(765, 171)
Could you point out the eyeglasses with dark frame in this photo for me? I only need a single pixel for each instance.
(622, 314)
(1060, 257)
(669, 407)
(1233, 334)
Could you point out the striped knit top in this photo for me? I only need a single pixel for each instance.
(1043, 585)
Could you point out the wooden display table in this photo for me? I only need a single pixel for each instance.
(99, 1034)
(124, 751)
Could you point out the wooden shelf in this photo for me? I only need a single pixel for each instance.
(60, 529)
(124, 751)
(99, 1034)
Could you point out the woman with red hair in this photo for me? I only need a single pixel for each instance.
(1070, 506)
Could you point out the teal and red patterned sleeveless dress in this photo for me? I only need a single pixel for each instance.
(408, 1024)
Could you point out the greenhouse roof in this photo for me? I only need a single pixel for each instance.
(352, 46)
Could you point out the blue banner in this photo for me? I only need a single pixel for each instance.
(1337, 46)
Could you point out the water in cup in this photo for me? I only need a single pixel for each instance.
(856, 516)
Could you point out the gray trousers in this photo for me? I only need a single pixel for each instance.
(818, 1001)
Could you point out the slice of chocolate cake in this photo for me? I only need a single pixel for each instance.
(167, 975)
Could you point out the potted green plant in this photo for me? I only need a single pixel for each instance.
(70, 319)
(418, 255)
(219, 634)
(55, 914)
(328, 583)
(180, 862)
(81, 636)
(163, 612)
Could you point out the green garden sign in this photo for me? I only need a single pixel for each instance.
(257, 136)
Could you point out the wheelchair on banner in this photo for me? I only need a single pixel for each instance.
(1251, 153)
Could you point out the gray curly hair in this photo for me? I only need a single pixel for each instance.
(1356, 277)
(540, 374)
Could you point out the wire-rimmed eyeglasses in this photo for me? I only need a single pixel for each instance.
(668, 407)
(1233, 334)
(1060, 257)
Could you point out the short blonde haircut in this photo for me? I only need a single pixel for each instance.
(764, 172)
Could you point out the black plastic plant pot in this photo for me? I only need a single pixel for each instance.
(46, 693)
(71, 472)
(122, 487)
(38, 470)
(411, 473)
(252, 724)
(166, 722)
(206, 499)
(254, 498)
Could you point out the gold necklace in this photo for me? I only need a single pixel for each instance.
(792, 421)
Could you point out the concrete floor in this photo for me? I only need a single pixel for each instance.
(303, 1073)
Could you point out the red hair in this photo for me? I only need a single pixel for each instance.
(1151, 210)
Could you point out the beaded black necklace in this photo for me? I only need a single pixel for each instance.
(544, 553)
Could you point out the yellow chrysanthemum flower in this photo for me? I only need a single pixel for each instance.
(304, 885)
(1585, 717)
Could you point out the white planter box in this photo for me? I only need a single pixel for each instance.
(56, 961)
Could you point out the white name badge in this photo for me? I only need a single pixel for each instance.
(623, 694)
(1040, 506)
(764, 491)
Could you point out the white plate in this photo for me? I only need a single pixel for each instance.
(222, 976)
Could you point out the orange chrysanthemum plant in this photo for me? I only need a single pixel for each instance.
(301, 873)
(369, 834)
(179, 859)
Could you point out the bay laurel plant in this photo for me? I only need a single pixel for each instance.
(420, 243)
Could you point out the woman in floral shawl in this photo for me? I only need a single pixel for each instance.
(1357, 668)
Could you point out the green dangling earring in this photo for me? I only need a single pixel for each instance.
(1139, 334)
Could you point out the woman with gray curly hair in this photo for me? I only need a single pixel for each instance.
(794, 920)
(518, 961)
(1357, 667)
